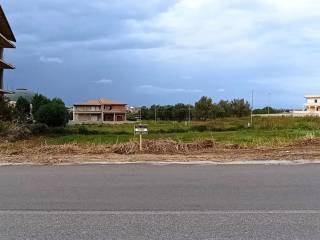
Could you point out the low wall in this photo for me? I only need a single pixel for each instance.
(291, 114)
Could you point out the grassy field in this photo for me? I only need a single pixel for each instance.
(265, 131)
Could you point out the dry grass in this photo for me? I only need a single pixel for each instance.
(163, 147)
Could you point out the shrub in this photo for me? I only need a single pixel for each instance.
(6, 111)
(3, 128)
(39, 128)
(83, 130)
(17, 132)
(131, 117)
(53, 114)
(60, 130)
(199, 128)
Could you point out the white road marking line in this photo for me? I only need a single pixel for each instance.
(79, 212)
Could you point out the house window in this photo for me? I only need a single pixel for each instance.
(316, 101)
(109, 108)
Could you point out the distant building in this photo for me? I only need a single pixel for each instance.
(134, 110)
(99, 111)
(6, 41)
(312, 104)
(311, 107)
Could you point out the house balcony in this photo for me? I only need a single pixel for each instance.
(115, 111)
(88, 111)
(5, 43)
(4, 65)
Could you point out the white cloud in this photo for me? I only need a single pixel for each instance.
(154, 89)
(234, 32)
(221, 90)
(104, 81)
(50, 59)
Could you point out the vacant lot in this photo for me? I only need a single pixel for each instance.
(231, 139)
(266, 131)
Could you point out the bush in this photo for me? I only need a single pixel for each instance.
(54, 114)
(131, 117)
(6, 111)
(3, 128)
(17, 132)
(83, 130)
(39, 128)
(199, 128)
(60, 130)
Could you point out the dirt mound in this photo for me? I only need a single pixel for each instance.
(163, 147)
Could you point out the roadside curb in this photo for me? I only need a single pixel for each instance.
(164, 163)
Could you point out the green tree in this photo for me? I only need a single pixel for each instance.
(58, 101)
(203, 108)
(218, 111)
(181, 112)
(225, 108)
(267, 110)
(144, 113)
(6, 111)
(54, 114)
(22, 109)
(37, 101)
(240, 107)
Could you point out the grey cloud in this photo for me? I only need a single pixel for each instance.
(160, 90)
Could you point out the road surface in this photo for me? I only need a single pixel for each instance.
(160, 202)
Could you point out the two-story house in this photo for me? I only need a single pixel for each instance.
(99, 111)
(312, 104)
(6, 41)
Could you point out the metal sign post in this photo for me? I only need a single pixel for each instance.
(141, 129)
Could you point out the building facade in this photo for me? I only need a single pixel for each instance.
(99, 111)
(312, 104)
(6, 41)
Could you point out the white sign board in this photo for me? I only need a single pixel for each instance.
(141, 129)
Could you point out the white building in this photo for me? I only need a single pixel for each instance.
(311, 107)
(312, 104)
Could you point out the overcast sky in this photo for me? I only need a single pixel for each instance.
(164, 51)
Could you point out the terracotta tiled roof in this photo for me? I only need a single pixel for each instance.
(98, 102)
(105, 101)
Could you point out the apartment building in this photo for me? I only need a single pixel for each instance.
(6, 41)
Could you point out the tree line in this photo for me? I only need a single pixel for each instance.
(41, 109)
(204, 109)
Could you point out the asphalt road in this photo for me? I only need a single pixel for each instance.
(160, 202)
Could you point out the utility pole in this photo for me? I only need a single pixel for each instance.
(155, 114)
(268, 103)
(252, 109)
(189, 114)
